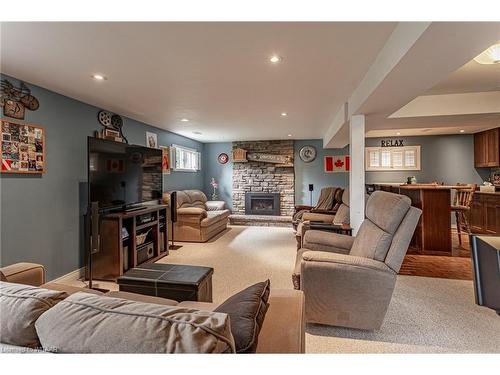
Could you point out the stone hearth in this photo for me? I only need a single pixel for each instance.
(260, 177)
(260, 220)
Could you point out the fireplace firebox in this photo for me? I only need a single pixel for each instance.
(262, 204)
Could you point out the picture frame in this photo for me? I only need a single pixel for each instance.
(151, 140)
(165, 159)
(110, 133)
(23, 148)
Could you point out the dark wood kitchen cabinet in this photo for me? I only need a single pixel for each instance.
(485, 213)
(487, 148)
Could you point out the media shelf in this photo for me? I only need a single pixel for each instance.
(129, 239)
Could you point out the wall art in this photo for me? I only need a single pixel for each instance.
(23, 148)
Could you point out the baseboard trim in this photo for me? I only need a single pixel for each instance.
(73, 275)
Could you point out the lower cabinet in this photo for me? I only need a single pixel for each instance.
(485, 214)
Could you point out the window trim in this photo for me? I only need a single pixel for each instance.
(173, 158)
(403, 149)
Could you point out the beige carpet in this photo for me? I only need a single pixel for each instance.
(426, 314)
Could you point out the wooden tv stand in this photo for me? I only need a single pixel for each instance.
(119, 252)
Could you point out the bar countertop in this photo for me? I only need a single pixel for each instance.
(430, 187)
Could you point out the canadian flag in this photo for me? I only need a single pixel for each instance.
(114, 166)
(6, 165)
(338, 163)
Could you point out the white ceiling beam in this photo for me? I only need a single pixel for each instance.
(414, 59)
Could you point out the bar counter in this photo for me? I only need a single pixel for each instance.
(433, 233)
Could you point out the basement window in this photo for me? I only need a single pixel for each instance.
(185, 159)
(406, 158)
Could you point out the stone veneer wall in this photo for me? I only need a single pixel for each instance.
(264, 177)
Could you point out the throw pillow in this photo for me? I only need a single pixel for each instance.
(21, 306)
(247, 310)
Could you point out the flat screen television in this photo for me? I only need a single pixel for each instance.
(122, 176)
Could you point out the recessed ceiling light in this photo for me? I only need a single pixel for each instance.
(184, 119)
(99, 77)
(462, 130)
(289, 135)
(490, 56)
(197, 133)
(275, 59)
(398, 133)
(284, 114)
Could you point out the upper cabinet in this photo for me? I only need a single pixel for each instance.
(487, 148)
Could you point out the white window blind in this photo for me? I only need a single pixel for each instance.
(397, 159)
(410, 158)
(385, 156)
(185, 159)
(406, 158)
(374, 158)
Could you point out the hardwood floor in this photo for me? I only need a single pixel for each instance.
(457, 266)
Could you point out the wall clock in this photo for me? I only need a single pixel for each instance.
(307, 153)
(223, 158)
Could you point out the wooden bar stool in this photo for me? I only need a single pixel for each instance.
(461, 206)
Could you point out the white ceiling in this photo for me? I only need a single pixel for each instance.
(216, 74)
(472, 77)
(434, 125)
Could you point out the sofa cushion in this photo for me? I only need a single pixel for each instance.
(191, 198)
(214, 216)
(2, 277)
(21, 306)
(387, 210)
(141, 298)
(215, 205)
(247, 310)
(371, 242)
(85, 323)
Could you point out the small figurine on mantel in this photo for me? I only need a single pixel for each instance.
(214, 185)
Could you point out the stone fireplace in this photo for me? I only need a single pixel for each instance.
(262, 203)
(275, 180)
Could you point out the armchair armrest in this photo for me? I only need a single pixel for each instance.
(302, 207)
(351, 260)
(24, 273)
(324, 212)
(327, 241)
(314, 216)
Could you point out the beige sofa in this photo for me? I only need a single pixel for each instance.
(198, 220)
(277, 335)
(348, 281)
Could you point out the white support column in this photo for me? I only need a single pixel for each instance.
(357, 173)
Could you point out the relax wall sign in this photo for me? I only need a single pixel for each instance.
(392, 143)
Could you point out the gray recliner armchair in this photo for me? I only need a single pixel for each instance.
(341, 217)
(348, 281)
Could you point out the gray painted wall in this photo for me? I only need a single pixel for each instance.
(444, 158)
(41, 216)
(223, 173)
(313, 172)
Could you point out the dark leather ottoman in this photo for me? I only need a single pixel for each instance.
(172, 281)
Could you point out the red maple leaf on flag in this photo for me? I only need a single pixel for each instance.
(339, 163)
